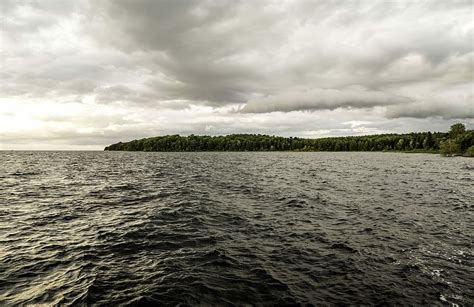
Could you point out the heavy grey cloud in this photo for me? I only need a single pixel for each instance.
(322, 99)
(232, 66)
(451, 108)
(219, 52)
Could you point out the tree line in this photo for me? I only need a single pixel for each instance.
(455, 142)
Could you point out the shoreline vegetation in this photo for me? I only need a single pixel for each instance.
(457, 142)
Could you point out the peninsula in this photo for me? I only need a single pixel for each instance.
(458, 141)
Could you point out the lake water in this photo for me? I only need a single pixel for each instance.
(234, 228)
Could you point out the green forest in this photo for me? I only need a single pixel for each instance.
(458, 141)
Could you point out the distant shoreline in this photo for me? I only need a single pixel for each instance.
(456, 142)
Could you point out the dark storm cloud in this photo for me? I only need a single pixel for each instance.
(203, 44)
(462, 108)
(220, 52)
(322, 99)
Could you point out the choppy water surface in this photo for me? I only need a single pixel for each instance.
(221, 228)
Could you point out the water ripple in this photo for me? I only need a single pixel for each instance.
(109, 228)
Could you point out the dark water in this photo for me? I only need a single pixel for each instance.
(235, 228)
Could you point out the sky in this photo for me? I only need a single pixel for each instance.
(82, 74)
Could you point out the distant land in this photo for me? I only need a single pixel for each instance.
(458, 141)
